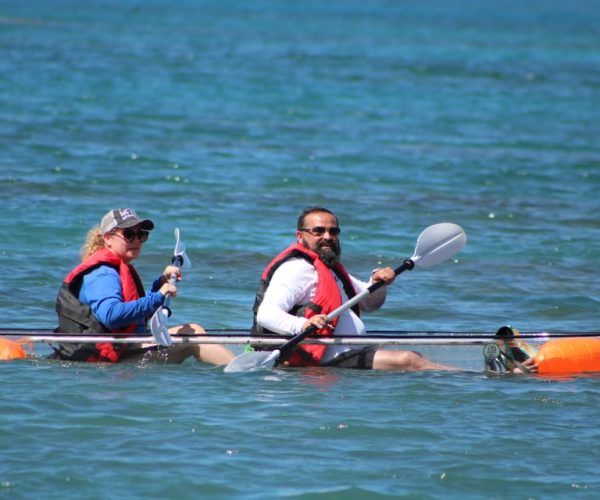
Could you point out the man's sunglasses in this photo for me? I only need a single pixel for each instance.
(130, 234)
(320, 230)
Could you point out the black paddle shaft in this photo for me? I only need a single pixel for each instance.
(287, 349)
(176, 260)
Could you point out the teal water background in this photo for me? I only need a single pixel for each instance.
(225, 119)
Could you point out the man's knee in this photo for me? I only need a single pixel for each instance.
(398, 360)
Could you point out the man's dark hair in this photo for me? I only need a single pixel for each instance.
(312, 210)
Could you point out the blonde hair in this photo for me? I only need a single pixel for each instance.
(93, 242)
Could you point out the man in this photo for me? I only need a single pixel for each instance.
(306, 282)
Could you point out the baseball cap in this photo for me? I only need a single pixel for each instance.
(122, 218)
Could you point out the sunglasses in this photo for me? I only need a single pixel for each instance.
(129, 235)
(320, 230)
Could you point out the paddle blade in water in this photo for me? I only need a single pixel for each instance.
(160, 328)
(251, 361)
(438, 243)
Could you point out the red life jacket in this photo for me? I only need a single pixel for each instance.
(327, 298)
(74, 315)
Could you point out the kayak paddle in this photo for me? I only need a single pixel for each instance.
(159, 326)
(435, 244)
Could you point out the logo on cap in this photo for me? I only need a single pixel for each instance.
(124, 214)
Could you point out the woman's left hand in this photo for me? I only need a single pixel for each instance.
(169, 270)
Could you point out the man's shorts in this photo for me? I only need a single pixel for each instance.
(357, 359)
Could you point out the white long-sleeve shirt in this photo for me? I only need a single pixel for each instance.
(294, 283)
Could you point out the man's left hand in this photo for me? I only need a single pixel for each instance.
(385, 274)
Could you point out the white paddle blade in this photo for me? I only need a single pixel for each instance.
(180, 251)
(252, 361)
(160, 329)
(438, 243)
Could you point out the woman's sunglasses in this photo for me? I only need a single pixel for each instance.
(130, 234)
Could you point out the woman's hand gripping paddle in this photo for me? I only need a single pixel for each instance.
(435, 244)
(159, 324)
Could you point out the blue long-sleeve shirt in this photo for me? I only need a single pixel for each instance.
(101, 290)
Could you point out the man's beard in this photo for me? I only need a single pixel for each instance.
(330, 255)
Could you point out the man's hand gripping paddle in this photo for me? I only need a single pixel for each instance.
(159, 324)
(435, 244)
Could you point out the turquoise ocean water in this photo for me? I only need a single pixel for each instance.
(225, 119)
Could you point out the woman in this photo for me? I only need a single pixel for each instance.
(105, 294)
